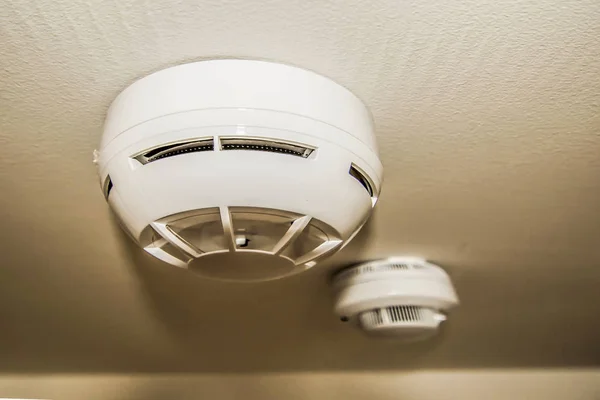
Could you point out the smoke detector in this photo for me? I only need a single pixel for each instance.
(402, 297)
(238, 169)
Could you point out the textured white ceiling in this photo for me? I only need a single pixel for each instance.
(488, 119)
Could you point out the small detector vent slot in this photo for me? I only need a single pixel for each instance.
(269, 145)
(372, 318)
(175, 149)
(369, 268)
(395, 315)
(404, 313)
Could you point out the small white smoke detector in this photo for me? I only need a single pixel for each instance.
(403, 297)
(238, 169)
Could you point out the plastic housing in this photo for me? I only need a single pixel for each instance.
(221, 154)
(401, 296)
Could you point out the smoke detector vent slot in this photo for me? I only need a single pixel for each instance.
(108, 185)
(269, 145)
(175, 149)
(361, 177)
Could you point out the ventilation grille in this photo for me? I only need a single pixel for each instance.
(369, 268)
(372, 318)
(175, 149)
(404, 313)
(361, 177)
(268, 145)
(393, 315)
(228, 143)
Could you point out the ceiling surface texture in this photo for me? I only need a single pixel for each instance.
(488, 119)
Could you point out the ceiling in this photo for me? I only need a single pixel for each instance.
(488, 120)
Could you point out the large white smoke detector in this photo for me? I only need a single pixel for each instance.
(402, 297)
(239, 169)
